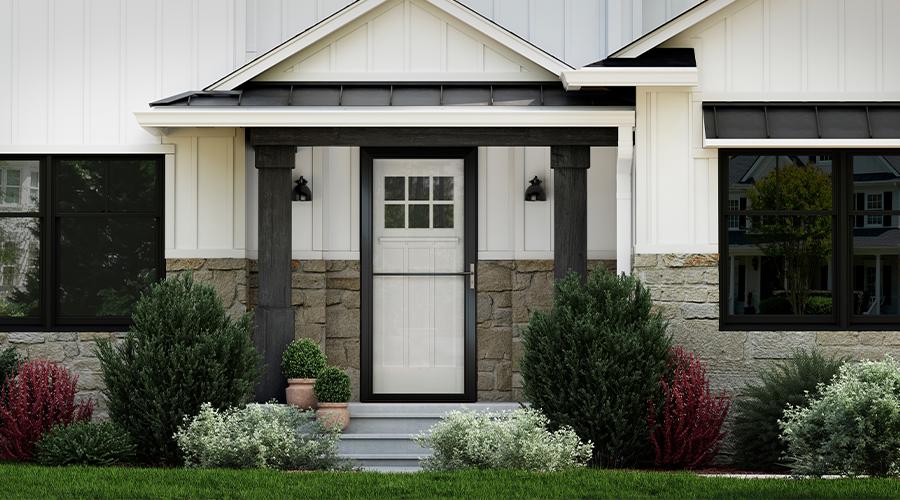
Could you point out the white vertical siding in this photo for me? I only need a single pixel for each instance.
(764, 50)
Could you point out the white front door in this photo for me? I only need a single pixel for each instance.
(418, 280)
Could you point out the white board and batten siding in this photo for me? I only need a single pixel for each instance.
(754, 50)
(508, 226)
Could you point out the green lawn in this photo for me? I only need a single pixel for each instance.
(26, 481)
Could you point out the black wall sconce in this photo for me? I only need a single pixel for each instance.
(535, 191)
(301, 190)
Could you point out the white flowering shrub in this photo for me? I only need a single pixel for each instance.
(258, 436)
(852, 427)
(502, 440)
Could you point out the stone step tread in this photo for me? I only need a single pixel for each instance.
(392, 469)
(422, 415)
(385, 456)
(376, 435)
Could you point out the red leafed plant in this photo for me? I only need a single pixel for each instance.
(39, 397)
(687, 430)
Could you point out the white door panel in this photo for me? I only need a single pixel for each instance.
(418, 317)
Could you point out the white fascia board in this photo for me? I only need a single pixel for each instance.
(502, 36)
(299, 42)
(801, 143)
(630, 77)
(82, 149)
(395, 116)
(686, 20)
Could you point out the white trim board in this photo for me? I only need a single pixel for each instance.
(358, 9)
(167, 149)
(630, 77)
(158, 119)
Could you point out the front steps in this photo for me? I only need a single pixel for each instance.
(380, 435)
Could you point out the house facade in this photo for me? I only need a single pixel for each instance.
(403, 180)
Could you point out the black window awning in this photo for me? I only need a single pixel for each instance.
(403, 94)
(801, 120)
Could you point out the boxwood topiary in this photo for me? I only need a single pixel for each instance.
(85, 443)
(183, 350)
(302, 359)
(788, 383)
(332, 386)
(595, 360)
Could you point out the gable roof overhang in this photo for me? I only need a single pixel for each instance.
(658, 67)
(360, 8)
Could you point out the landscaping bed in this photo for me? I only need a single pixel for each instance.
(30, 481)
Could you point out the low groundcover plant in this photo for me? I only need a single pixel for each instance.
(502, 440)
(271, 436)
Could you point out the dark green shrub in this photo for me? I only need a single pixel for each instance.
(332, 386)
(595, 361)
(302, 359)
(85, 443)
(818, 305)
(182, 351)
(777, 304)
(757, 412)
(9, 363)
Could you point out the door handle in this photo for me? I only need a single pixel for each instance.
(472, 276)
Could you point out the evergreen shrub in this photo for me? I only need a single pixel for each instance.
(303, 358)
(594, 361)
(792, 382)
(85, 443)
(183, 350)
(332, 386)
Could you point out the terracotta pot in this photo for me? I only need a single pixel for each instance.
(334, 415)
(300, 393)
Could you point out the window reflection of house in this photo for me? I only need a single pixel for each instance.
(19, 247)
(876, 236)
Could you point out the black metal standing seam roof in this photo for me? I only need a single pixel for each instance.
(403, 94)
(801, 120)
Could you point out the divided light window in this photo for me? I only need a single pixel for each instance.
(809, 239)
(80, 238)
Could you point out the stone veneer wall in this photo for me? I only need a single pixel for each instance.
(508, 292)
(686, 289)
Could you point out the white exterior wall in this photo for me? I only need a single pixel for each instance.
(754, 50)
(75, 70)
(508, 227)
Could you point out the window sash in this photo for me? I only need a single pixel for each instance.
(845, 213)
(47, 215)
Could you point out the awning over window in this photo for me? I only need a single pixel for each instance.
(406, 94)
(801, 120)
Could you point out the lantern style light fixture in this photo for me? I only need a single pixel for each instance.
(535, 191)
(301, 190)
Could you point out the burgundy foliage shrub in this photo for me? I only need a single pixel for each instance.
(686, 430)
(39, 397)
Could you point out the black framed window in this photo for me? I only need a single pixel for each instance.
(79, 240)
(809, 239)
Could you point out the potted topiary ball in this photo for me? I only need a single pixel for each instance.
(333, 391)
(301, 363)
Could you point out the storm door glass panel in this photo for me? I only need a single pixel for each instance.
(418, 286)
(780, 236)
(107, 217)
(875, 246)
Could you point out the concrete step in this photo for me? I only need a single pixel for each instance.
(380, 443)
(368, 461)
(393, 469)
(408, 418)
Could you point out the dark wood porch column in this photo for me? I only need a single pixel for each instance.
(274, 315)
(570, 164)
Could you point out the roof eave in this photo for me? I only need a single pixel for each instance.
(630, 77)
